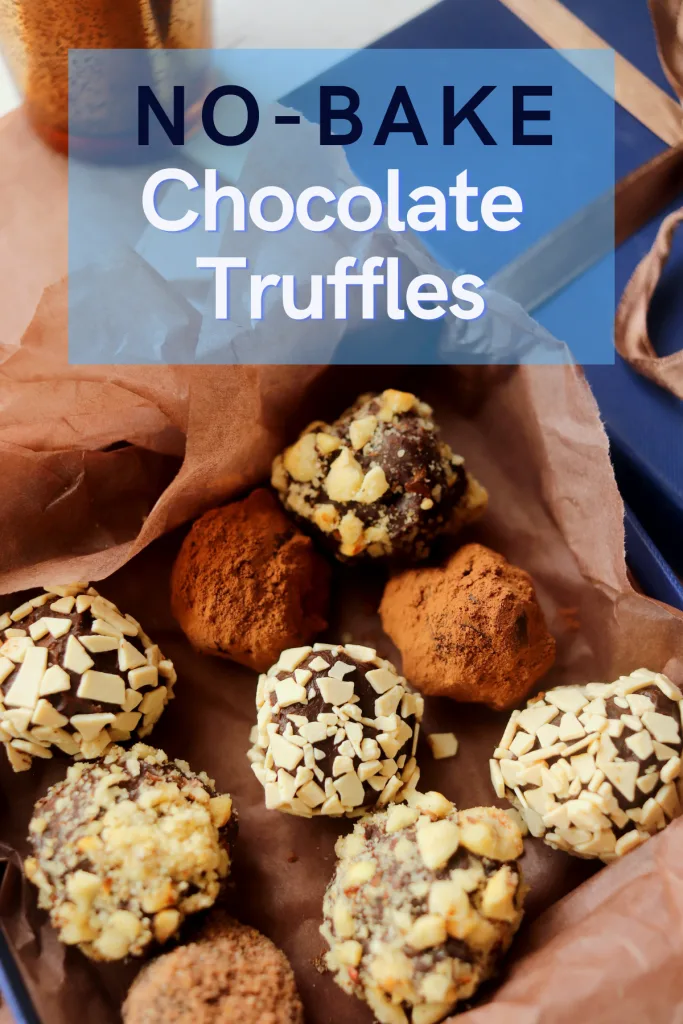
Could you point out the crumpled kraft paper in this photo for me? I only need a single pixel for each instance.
(96, 464)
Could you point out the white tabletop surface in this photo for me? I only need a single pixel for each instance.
(292, 23)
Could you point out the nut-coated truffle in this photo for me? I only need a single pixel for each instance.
(471, 629)
(247, 583)
(424, 902)
(76, 675)
(230, 974)
(378, 481)
(595, 769)
(336, 731)
(125, 848)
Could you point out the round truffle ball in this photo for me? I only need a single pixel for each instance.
(423, 904)
(471, 629)
(336, 732)
(126, 848)
(595, 770)
(378, 481)
(76, 675)
(247, 583)
(231, 973)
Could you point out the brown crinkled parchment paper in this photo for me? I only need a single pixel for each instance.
(97, 465)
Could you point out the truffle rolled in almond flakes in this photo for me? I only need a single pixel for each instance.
(124, 849)
(471, 630)
(231, 974)
(76, 675)
(378, 481)
(336, 732)
(424, 902)
(595, 770)
(247, 583)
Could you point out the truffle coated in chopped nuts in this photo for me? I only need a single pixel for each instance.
(471, 629)
(595, 770)
(247, 583)
(76, 675)
(231, 974)
(378, 481)
(423, 904)
(336, 731)
(127, 847)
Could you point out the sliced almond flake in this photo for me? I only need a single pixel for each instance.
(570, 728)
(664, 752)
(641, 744)
(102, 609)
(46, 714)
(57, 627)
(623, 776)
(7, 667)
(303, 675)
(639, 703)
(288, 692)
(292, 658)
(632, 722)
(567, 698)
(34, 749)
(668, 688)
(667, 798)
(510, 730)
(340, 669)
(381, 679)
(15, 648)
(366, 770)
(522, 743)
(360, 653)
(646, 783)
(55, 680)
(671, 770)
(102, 687)
(25, 687)
(318, 664)
(335, 691)
(543, 753)
(663, 728)
(147, 675)
(497, 779)
(64, 605)
(129, 657)
(19, 719)
(388, 702)
(538, 714)
(76, 658)
(21, 612)
(350, 790)
(548, 735)
(106, 629)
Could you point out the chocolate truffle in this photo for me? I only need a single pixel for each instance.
(471, 629)
(337, 731)
(595, 770)
(378, 481)
(247, 583)
(76, 675)
(126, 848)
(423, 904)
(231, 973)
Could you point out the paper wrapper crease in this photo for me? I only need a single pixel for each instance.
(97, 464)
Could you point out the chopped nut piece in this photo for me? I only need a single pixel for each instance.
(443, 744)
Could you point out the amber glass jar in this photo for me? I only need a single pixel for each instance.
(35, 38)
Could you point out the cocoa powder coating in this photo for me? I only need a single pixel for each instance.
(247, 583)
(232, 974)
(471, 630)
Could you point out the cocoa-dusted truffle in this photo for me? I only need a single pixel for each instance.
(76, 675)
(378, 481)
(596, 769)
(231, 973)
(337, 731)
(471, 630)
(126, 848)
(247, 583)
(424, 902)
